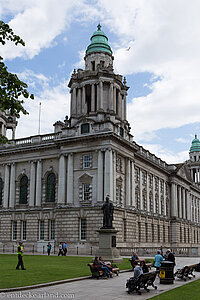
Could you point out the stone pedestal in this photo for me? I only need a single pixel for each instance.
(107, 245)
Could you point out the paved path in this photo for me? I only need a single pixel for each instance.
(101, 289)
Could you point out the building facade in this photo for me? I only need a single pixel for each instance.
(52, 186)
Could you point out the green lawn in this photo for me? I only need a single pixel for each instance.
(43, 268)
(189, 291)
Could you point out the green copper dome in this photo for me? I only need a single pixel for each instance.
(99, 42)
(195, 145)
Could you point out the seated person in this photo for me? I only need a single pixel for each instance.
(107, 264)
(103, 267)
(134, 258)
(144, 267)
(137, 270)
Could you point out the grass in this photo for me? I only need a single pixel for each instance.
(188, 291)
(43, 268)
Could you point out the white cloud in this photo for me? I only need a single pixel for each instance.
(167, 155)
(55, 105)
(39, 22)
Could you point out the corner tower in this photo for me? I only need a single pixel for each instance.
(98, 95)
(194, 162)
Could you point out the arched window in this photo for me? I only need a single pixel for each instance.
(1, 190)
(23, 190)
(50, 188)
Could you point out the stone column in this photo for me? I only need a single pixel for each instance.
(79, 102)
(6, 186)
(39, 183)
(100, 176)
(114, 98)
(93, 98)
(32, 184)
(73, 102)
(188, 203)
(164, 196)
(62, 179)
(13, 133)
(141, 200)
(108, 174)
(101, 96)
(128, 183)
(148, 202)
(98, 96)
(133, 183)
(114, 176)
(153, 195)
(12, 186)
(173, 200)
(111, 103)
(124, 107)
(83, 103)
(120, 105)
(70, 179)
(184, 212)
(159, 196)
(180, 201)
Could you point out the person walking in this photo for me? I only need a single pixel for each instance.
(64, 248)
(20, 252)
(157, 260)
(49, 248)
(60, 252)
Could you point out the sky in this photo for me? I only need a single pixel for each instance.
(155, 43)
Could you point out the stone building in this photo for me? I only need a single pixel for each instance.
(52, 186)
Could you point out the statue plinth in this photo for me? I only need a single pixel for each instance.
(107, 245)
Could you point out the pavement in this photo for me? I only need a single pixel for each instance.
(113, 288)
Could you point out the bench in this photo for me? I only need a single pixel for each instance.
(98, 273)
(143, 281)
(149, 265)
(186, 272)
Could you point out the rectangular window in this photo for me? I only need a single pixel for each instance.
(83, 229)
(146, 232)
(86, 192)
(41, 230)
(124, 230)
(163, 233)
(152, 232)
(86, 161)
(14, 230)
(52, 230)
(23, 232)
(85, 128)
(139, 231)
(118, 194)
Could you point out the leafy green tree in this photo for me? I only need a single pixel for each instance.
(11, 87)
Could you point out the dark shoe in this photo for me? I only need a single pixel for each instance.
(24, 269)
(17, 268)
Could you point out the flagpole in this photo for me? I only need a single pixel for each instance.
(39, 118)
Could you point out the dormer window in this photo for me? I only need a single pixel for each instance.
(121, 132)
(85, 128)
(93, 65)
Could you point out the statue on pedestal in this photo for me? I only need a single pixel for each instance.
(108, 210)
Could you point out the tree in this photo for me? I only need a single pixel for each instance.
(11, 87)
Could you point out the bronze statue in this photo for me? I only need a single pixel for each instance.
(108, 209)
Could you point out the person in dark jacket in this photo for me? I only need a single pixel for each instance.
(170, 256)
(144, 266)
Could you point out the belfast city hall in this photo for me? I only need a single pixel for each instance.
(52, 186)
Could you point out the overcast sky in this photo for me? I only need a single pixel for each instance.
(156, 45)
